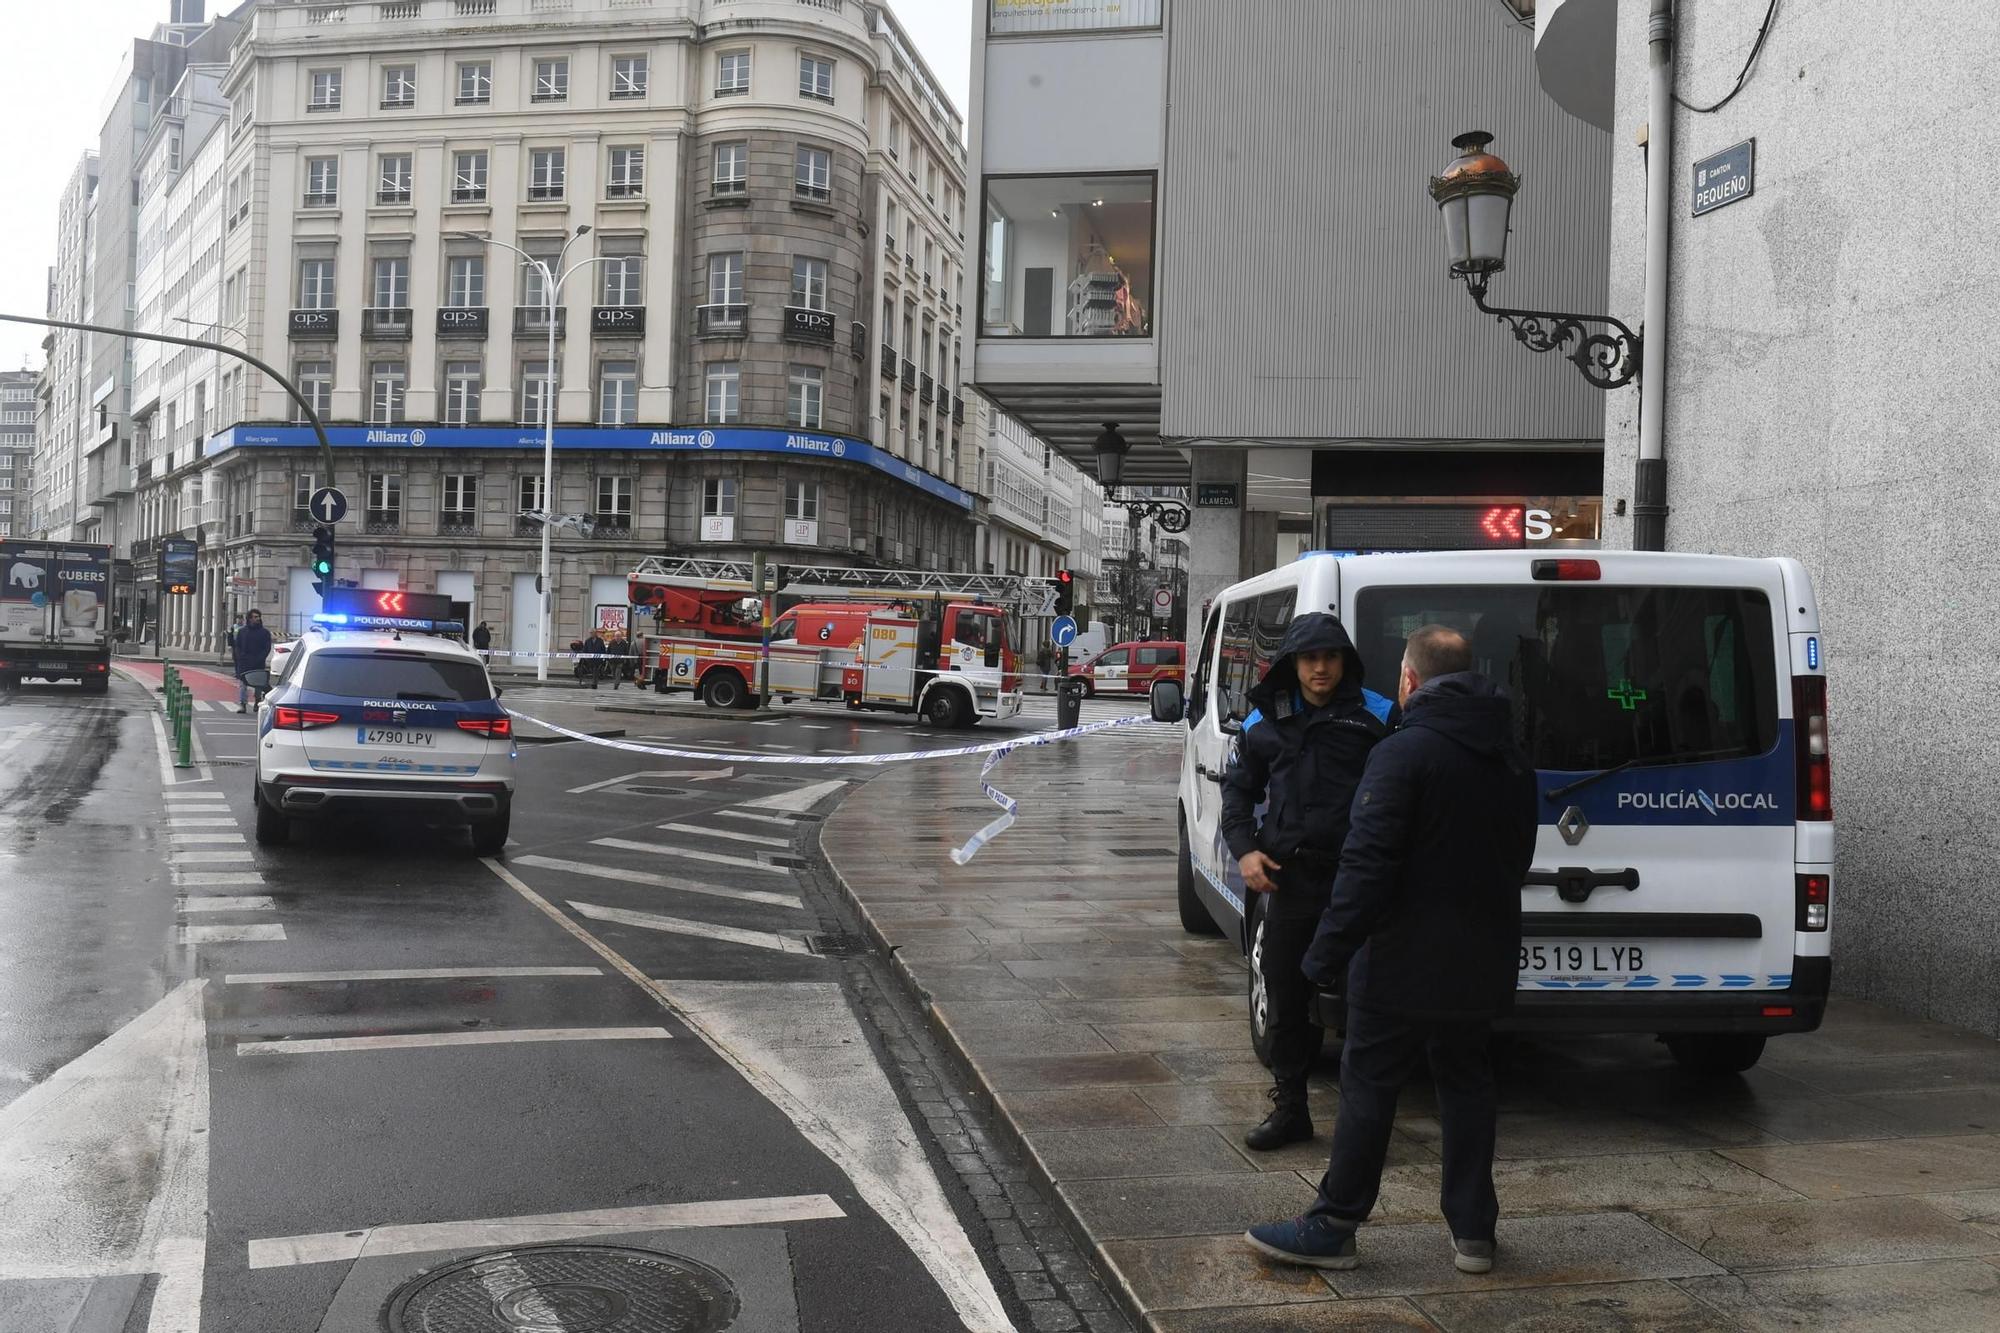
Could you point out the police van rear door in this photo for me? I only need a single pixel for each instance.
(402, 714)
(1648, 695)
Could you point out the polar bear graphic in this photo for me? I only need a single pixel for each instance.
(25, 575)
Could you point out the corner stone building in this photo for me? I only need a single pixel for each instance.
(737, 163)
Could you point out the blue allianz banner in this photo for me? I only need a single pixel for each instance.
(688, 439)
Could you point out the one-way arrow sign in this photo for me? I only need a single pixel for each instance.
(328, 505)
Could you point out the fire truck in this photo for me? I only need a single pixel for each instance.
(906, 641)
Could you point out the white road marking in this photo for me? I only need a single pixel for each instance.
(766, 745)
(140, 1096)
(799, 798)
(186, 839)
(814, 726)
(730, 834)
(501, 1232)
(805, 1050)
(715, 858)
(691, 775)
(660, 881)
(398, 1041)
(187, 858)
(195, 796)
(259, 934)
(222, 818)
(215, 879)
(785, 821)
(673, 925)
(404, 974)
(219, 904)
(771, 723)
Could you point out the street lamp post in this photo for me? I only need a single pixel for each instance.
(1111, 448)
(552, 282)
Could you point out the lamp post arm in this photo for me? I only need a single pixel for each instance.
(312, 416)
(1607, 360)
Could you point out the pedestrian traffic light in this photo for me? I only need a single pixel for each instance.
(1065, 592)
(322, 559)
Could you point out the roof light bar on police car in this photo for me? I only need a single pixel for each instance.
(389, 609)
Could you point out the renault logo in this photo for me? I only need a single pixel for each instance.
(1573, 825)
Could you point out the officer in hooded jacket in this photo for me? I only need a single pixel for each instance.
(1301, 754)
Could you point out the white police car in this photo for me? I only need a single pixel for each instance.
(378, 712)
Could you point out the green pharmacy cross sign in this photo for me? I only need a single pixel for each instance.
(1626, 695)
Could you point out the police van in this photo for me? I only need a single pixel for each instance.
(381, 710)
(1674, 707)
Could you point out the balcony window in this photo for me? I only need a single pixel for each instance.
(325, 90)
(458, 516)
(614, 502)
(622, 280)
(629, 77)
(391, 287)
(814, 175)
(732, 73)
(468, 177)
(386, 382)
(316, 284)
(809, 284)
(475, 83)
(617, 393)
(462, 384)
(1097, 230)
(393, 187)
(399, 86)
(816, 78)
(537, 392)
(732, 168)
(627, 175)
(322, 182)
(315, 381)
(465, 284)
(551, 80)
(548, 169)
(385, 499)
(805, 398)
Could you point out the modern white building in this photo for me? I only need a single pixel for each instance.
(1207, 224)
(758, 205)
(1828, 395)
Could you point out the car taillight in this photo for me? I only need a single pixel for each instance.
(1810, 741)
(301, 719)
(497, 727)
(1815, 901)
(1565, 571)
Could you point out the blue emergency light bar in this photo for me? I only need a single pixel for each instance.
(389, 608)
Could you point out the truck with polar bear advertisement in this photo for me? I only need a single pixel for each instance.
(55, 613)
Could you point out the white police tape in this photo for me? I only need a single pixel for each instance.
(994, 751)
(565, 657)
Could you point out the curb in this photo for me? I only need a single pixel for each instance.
(1109, 1276)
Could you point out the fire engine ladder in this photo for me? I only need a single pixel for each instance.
(1027, 596)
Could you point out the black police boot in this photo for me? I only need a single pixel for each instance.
(1289, 1122)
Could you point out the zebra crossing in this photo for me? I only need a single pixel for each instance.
(202, 839)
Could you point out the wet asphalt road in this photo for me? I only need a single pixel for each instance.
(325, 1142)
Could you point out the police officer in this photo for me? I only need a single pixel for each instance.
(1301, 752)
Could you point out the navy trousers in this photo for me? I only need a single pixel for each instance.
(1380, 1054)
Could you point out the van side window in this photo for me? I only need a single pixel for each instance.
(1203, 664)
(1251, 634)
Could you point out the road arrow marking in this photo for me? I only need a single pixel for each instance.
(686, 775)
(673, 925)
(714, 858)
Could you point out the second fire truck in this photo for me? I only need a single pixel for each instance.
(931, 643)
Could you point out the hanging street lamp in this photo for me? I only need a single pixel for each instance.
(1475, 199)
(1111, 448)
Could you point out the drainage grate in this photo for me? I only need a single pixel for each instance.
(1101, 812)
(788, 862)
(565, 1289)
(1141, 851)
(839, 946)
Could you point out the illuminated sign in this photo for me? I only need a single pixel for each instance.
(390, 608)
(177, 566)
(1405, 527)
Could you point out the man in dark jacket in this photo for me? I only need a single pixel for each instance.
(250, 651)
(1424, 925)
(1302, 752)
(482, 636)
(593, 660)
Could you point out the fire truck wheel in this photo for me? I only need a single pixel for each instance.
(724, 689)
(945, 709)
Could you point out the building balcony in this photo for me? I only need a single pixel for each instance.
(926, 388)
(458, 523)
(534, 321)
(909, 373)
(613, 526)
(386, 323)
(381, 522)
(888, 362)
(721, 321)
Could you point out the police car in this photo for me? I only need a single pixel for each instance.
(379, 711)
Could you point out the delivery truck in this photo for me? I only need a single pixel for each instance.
(55, 613)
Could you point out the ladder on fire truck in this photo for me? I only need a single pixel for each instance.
(1010, 592)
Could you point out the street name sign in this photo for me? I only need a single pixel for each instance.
(1725, 178)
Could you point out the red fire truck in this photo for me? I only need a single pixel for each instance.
(930, 643)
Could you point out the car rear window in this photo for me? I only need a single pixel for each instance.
(1602, 675)
(395, 676)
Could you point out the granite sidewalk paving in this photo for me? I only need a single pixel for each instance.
(1851, 1181)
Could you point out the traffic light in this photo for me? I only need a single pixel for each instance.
(322, 560)
(1065, 592)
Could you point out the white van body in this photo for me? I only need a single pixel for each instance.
(1674, 708)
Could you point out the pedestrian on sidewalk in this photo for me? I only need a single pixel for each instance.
(1302, 751)
(1424, 927)
(250, 658)
(593, 662)
(482, 637)
(620, 650)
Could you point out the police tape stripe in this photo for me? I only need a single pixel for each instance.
(994, 751)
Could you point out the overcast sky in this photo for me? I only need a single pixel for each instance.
(65, 58)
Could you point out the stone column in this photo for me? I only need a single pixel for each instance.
(1215, 542)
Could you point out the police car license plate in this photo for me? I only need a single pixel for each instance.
(1594, 960)
(378, 736)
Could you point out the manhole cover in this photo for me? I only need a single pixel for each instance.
(565, 1289)
(839, 946)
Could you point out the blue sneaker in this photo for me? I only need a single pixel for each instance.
(1317, 1242)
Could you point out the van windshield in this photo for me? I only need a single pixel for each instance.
(1599, 675)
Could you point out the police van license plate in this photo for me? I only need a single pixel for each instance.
(1591, 961)
(378, 736)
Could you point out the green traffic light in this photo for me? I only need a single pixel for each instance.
(322, 567)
